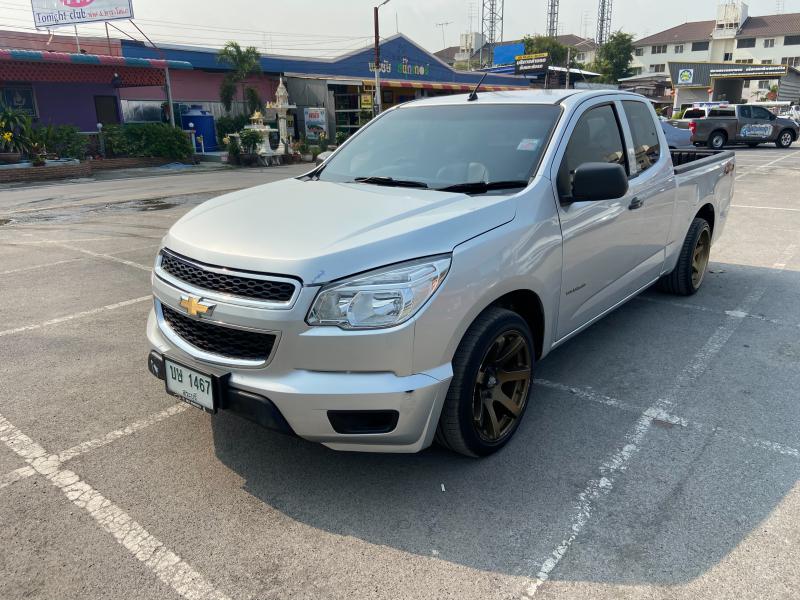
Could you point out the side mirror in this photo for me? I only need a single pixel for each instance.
(773, 117)
(599, 181)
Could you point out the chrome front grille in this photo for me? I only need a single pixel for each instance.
(214, 281)
(222, 342)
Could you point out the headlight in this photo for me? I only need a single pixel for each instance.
(382, 298)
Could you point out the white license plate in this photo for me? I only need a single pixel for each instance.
(193, 387)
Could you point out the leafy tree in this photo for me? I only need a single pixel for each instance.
(245, 62)
(539, 43)
(254, 101)
(614, 57)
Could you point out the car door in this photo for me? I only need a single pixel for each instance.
(604, 257)
(753, 127)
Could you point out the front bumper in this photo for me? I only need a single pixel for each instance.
(305, 397)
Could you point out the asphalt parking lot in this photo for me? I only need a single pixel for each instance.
(659, 459)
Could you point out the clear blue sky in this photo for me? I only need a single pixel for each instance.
(329, 27)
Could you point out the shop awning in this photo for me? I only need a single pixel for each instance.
(451, 87)
(38, 56)
(62, 67)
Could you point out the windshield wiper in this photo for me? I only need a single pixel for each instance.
(481, 187)
(391, 182)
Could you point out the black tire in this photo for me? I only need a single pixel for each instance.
(717, 140)
(457, 428)
(785, 139)
(683, 280)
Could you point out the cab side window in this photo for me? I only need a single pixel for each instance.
(759, 112)
(596, 138)
(646, 143)
(745, 112)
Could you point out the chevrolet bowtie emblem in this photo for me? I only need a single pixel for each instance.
(195, 306)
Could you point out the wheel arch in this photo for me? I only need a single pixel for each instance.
(707, 212)
(527, 304)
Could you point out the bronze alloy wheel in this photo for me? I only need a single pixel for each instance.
(702, 251)
(501, 386)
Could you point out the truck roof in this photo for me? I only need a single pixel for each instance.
(552, 97)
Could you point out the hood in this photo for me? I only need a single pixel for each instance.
(320, 231)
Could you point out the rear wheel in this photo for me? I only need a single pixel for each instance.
(492, 375)
(785, 139)
(688, 275)
(717, 140)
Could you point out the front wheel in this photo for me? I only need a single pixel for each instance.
(687, 276)
(492, 376)
(785, 139)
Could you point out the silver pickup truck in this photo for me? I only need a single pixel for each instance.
(403, 290)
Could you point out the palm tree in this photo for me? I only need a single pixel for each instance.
(245, 62)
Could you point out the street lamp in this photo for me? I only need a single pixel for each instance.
(378, 60)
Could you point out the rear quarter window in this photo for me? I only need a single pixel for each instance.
(646, 143)
(722, 112)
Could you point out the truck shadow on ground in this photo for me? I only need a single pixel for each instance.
(688, 498)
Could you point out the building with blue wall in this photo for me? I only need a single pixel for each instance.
(344, 85)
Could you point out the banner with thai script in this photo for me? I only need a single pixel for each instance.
(52, 13)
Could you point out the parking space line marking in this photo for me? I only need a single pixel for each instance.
(730, 313)
(80, 315)
(765, 207)
(44, 266)
(39, 242)
(598, 488)
(121, 261)
(591, 395)
(112, 436)
(88, 446)
(16, 475)
(163, 562)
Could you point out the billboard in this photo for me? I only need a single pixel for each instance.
(316, 123)
(52, 13)
(531, 64)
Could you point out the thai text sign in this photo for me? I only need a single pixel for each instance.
(748, 71)
(52, 13)
(531, 64)
(316, 123)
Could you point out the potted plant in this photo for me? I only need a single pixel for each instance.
(251, 140)
(13, 134)
(305, 151)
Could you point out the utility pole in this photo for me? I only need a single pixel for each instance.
(569, 60)
(443, 26)
(552, 18)
(378, 59)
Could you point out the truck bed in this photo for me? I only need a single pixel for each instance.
(689, 160)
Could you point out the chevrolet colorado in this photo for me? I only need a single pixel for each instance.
(404, 290)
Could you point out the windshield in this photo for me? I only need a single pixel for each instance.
(443, 146)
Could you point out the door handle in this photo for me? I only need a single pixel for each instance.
(635, 203)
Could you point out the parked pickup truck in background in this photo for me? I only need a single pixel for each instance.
(404, 290)
(742, 124)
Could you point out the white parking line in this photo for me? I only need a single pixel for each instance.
(122, 261)
(112, 436)
(730, 313)
(591, 395)
(80, 315)
(73, 241)
(598, 488)
(765, 207)
(16, 475)
(88, 446)
(44, 266)
(163, 562)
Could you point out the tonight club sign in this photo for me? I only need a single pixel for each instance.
(52, 13)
